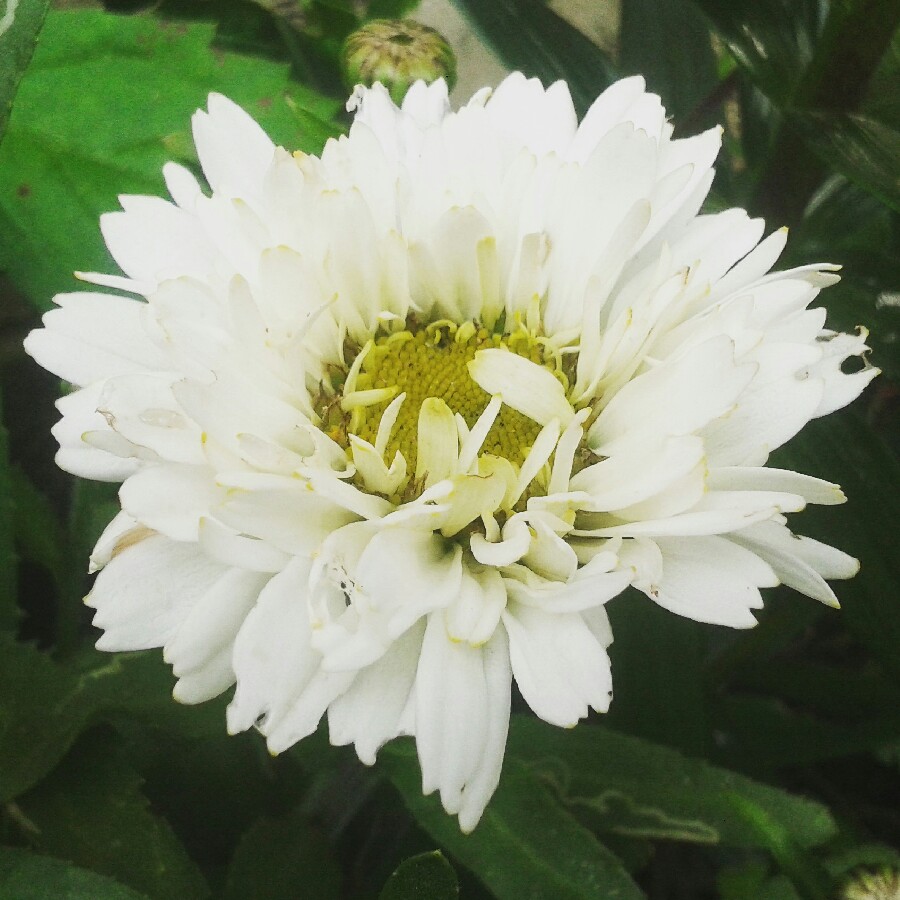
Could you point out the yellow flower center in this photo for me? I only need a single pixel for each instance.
(432, 361)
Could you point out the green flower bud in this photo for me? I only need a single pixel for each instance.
(397, 53)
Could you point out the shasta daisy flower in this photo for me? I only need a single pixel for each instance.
(394, 423)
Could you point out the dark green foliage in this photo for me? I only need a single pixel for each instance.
(758, 765)
(425, 877)
(27, 876)
(283, 859)
(526, 845)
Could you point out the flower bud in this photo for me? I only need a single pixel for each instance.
(397, 53)
(881, 885)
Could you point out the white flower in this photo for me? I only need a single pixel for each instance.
(395, 423)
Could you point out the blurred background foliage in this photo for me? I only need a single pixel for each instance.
(761, 765)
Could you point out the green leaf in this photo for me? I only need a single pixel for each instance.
(283, 859)
(528, 35)
(772, 40)
(27, 876)
(760, 734)
(90, 811)
(811, 880)
(43, 708)
(840, 693)
(9, 613)
(753, 880)
(844, 224)
(427, 876)
(526, 844)
(859, 147)
(662, 699)
(883, 101)
(845, 449)
(39, 535)
(139, 686)
(668, 42)
(20, 24)
(635, 788)
(106, 101)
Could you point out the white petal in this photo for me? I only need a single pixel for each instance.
(171, 498)
(475, 612)
(514, 545)
(481, 785)
(120, 533)
(559, 666)
(638, 472)
(234, 151)
(549, 555)
(229, 547)
(94, 336)
(525, 386)
(272, 657)
(154, 240)
(462, 716)
(368, 713)
(437, 442)
(710, 579)
(207, 634)
(408, 574)
(143, 410)
(145, 592)
(675, 398)
(800, 562)
(750, 478)
(717, 513)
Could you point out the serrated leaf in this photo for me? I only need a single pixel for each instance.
(526, 844)
(427, 876)
(640, 789)
(20, 24)
(859, 147)
(668, 42)
(45, 706)
(843, 448)
(72, 147)
(283, 859)
(529, 36)
(27, 876)
(90, 811)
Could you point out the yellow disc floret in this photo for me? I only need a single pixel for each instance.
(432, 361)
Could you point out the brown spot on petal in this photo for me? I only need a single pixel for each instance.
(135, 536)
